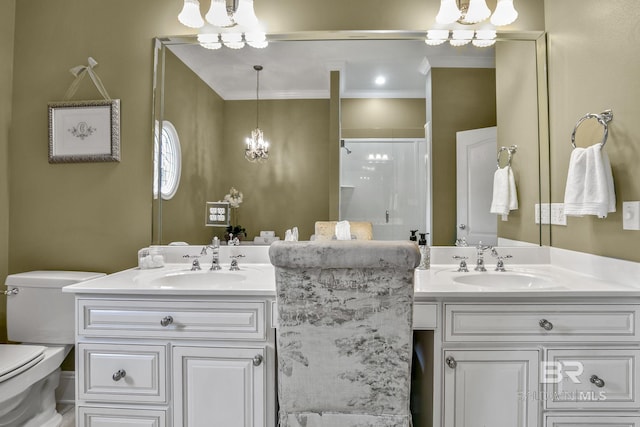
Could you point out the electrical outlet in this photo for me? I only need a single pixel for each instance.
(557, 214)
(631, 215)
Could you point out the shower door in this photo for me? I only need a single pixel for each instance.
(384, 181)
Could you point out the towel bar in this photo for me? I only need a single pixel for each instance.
(603, 118)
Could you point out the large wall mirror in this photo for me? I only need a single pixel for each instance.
(332, 129)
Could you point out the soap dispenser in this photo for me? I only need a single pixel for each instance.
(425, 252)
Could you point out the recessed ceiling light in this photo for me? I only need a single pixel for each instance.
(380, 80)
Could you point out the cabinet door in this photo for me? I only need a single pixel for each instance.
(219, 387)
(497, 388)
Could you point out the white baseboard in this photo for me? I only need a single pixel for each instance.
(66, 391)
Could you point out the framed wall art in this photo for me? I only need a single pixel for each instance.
(84, 131)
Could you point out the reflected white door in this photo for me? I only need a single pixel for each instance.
(476, 153)
(384, 181)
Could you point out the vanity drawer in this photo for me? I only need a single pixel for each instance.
(591, 379)
(226, 320)
(541, 322)
(89, 416)
(122, 373)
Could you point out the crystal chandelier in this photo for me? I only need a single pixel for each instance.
(257, 149)
(234, 26)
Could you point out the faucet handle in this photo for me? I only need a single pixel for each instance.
(463, 263)
(500, 265)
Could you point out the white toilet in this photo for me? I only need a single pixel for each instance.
(41, 317)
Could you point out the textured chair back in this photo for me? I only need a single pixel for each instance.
(344, 337)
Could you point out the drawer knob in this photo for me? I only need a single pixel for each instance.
(595, 380)
(545, 324)
(120, 374)
(166, 321)
(257, 360)
(451, 362)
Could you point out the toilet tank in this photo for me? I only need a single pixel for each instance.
(39, 312)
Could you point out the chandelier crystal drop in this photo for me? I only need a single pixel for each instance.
(256, 148)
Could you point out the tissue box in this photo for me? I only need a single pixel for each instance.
(267, 234)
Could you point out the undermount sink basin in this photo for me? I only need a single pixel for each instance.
(198, 279)
(505, 280)
(202, 279)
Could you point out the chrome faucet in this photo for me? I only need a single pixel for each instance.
(234, 262)
(215, 250)
(195, 264)
(480, 256)
(463, 263)
(500, 264)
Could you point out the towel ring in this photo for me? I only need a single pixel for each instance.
(510, 151)
(603, 118)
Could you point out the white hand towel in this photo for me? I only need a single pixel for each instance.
(505, 196)
(343, 230)
(589, 189)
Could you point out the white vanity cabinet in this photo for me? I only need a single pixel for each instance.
(162, 361)
(490, 388)
(542, 364)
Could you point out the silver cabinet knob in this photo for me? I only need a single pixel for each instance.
(451, 362)
(595, 380)
(257, 360)
(545, 324)
(462, 226)
(166, 321)
(120, 374)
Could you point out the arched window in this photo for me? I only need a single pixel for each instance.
(171, 161)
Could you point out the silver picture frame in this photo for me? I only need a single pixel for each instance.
(84, 131)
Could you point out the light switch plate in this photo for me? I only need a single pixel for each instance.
(217, 214)
(557, 214)
(631, 215)
(543, 210)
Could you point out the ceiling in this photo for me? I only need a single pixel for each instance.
(300, 69)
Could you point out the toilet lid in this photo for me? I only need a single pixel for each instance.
(15, 358)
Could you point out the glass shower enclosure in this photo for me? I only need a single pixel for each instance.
(385, 182)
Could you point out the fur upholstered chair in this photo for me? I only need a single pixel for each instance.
(344, 336)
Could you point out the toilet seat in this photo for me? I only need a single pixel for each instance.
(17, 358)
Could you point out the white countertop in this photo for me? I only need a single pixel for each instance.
(441, 281)
(252, 280)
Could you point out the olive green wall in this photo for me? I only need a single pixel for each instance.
(383, 118)
(594, 65)
(7, 14)
(517, 109)
(88, 216)
(197, 113)
(292, 184)
(463, 99)
(299, 133)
